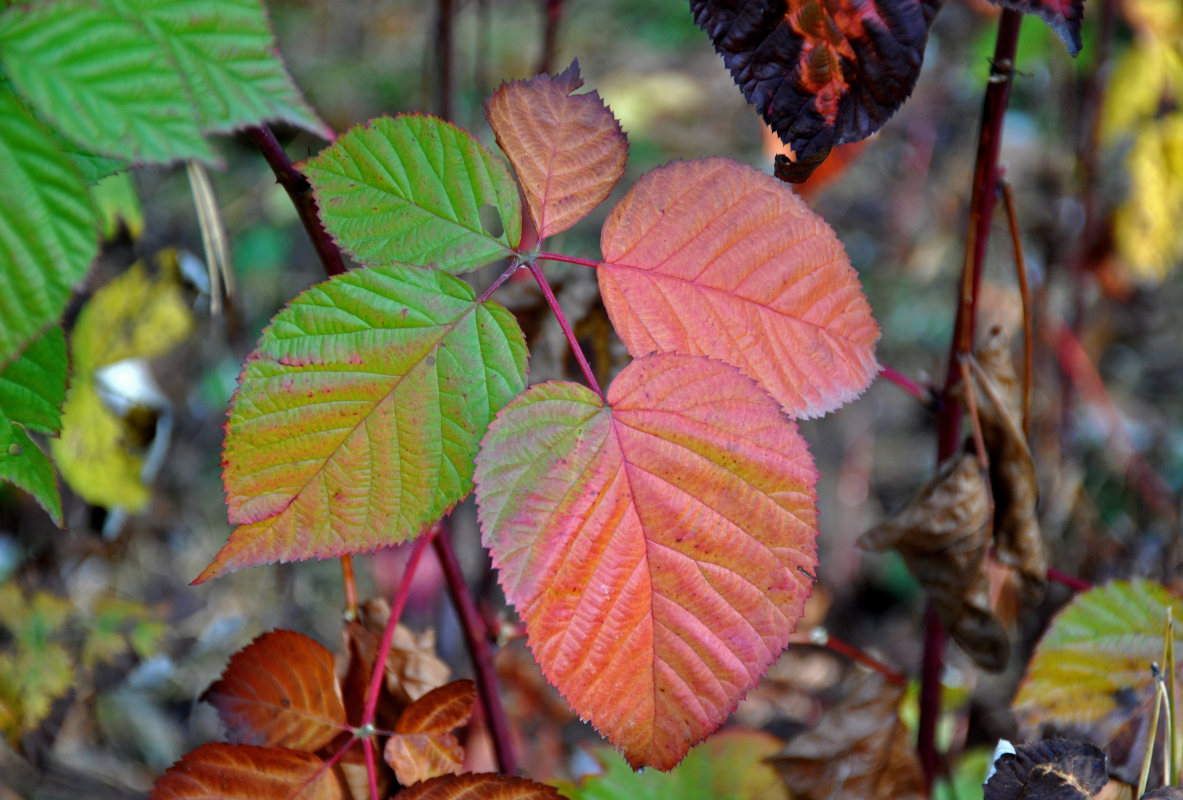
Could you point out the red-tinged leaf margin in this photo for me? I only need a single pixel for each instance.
(280, 691)
(478, 786)
(657, 548)
(440, 710)
(568, 150)
(1064, 16)
(711, 257)
(241, 772)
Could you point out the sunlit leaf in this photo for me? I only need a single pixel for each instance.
(439, 710)
(1058, 769)
(240, 772)
(713, 258)
(418, 757)
(658, 547)
(943, 534)
(1090, 674)
(1146, 227)
(820, 72)
(858, 750)
(357, 417)
(32, 389)
(410, 190)
(35, 668)
(567, 150)
(48, 236)
(1147, 73)
(280, 691)
(730, 764)
(478, 786)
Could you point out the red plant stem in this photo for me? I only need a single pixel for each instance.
(502, 278)
(907, 384)
(476, 635)
(1071, 581)
(300, 192)
(586, 262)
(1012, 221)
(396, 611)
(551, 301)
(550, 34)
(367, 747)
(850, 651)
(981, 212)
(350, 587)
(443, 58)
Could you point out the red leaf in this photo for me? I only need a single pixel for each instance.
(657, 547)
(280, 691)
(419, 756)
(820, 72)
(440, 710)
(713, 258)
(567, 150)
(478, 786)
(239, 772)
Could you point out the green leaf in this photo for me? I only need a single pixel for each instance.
(101, 80)
(410, 190)
(47, 228)
(116, 201)
(227, 56)
(31, 392)
(357, 418)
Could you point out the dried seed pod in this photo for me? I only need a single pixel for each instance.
(943, 534)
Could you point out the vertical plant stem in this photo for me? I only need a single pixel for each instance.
(443, 58)
(550, 34)
(551, 301)
(476, 635)
(1012, 220)
(300, 192)
(350, 587)
(981, 213)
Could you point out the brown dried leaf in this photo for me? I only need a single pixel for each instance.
(280, 691)
(240, 772)
(440, 710)
(419, 756)
(1057, 769)
(1017, 539)
(1165, 793)
(942, 535)
(858, 750)
(478, 786)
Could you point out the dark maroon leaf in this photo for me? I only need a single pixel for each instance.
(821, 72)
(1056, 769)
(1064, 16)
(1165, 793)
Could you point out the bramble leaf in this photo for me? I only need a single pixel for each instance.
(422, 745)
(1091, 675)
(49, 236)
(410, 190)
(713, 258)
(357, 417)
(32, 389)
(567, 150)
(820, 72)
(478, 786)
(656, 546)
(241, 772)
(1064, 16)
(440, 710)
(280, 691)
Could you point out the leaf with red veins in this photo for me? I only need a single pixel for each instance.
(568, 150)
(478, 786)
(713, 258)
(657, 547)
(241, 772)
(280, 691)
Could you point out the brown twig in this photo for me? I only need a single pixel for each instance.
(550, 34)
(443, 58)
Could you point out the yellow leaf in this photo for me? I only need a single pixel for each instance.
(1150, 71)
(94, 451)
(1161, 18)
(35, 670)
(1146, 228)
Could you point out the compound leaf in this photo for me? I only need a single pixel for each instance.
(567, 150)
(47, 227)
(280, 691)
(657, 546)
(357, 417)
(241, 772)
(713, 258)
(410, 190)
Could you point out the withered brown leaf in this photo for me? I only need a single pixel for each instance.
(858, 750)
(942, 535)
(1017, 539)
(1055, 769)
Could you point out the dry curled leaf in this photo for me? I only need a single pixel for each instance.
(857, 751)
(942, 534)
(1057, 769)
(1017, 539)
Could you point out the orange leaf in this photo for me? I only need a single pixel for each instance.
(567, 150)
(657, 547)
(440, 710)
(478, 786)
(419, 756)
(232, 772)
(280, 691)
(713, 258)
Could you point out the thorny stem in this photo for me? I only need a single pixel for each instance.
(551, 301)
(985, 187)
(476, 635)
(910, 386)
(1012, 220)
(300, 192)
